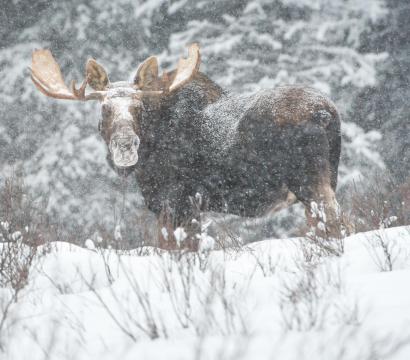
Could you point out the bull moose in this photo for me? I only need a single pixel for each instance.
(181, 135)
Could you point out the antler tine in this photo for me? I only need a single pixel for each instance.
(80, 92)
(187, 68)
(47, 77)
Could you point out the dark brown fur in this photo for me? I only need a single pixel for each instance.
(285, 141)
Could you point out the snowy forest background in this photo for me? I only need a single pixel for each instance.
(355, 51)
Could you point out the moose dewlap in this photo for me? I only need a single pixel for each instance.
(181, 135)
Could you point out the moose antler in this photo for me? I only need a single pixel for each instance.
(47, 77)
(187, 68)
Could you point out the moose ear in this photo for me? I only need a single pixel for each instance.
(147, 74)
(97, 77)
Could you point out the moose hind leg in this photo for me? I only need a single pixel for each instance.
(310, 179)
(323, 213)
(321, 208)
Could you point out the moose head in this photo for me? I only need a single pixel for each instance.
(121, 102)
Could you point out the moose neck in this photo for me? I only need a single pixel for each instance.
(173, 122)
(170, 131)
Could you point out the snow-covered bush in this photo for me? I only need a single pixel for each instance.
(23, 227)
(22, 219)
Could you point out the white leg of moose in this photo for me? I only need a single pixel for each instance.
(180, 229)
(323, 213)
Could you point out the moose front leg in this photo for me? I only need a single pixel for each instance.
(180, 227)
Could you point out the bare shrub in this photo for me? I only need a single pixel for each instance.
(384, 252)
(266, 263)
(132, 311)
(220, 311)
(177, 277)
(377, 203)
(15, 263)
(312, 295)
(25, 215)
(16, 260)
(301, 300)
(199, 294)
(224, 228)
(23, 227)
(149, 324)
(196, 294)
(130, 321)
(235, 348)
(189, 236)
(315, 246)
(313, 298)
(374, 344)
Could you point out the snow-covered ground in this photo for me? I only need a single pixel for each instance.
(274, 299)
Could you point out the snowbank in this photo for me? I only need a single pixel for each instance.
(271, 299)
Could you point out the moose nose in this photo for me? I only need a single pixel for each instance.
(125, 143)
(124, 150)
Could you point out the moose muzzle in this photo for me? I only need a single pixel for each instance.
(124, 149)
